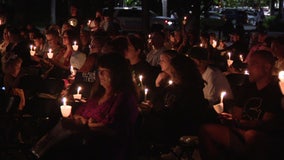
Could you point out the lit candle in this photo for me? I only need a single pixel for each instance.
(241, 58)
(246, 72)
(49, 54)
(64, 101)
(170, 82)
(32, 50)
(281, 82)
(73, 71)
(75, 46)
(219, 108)
(78, 95)
(214, 43)
(201, 45)
(222, 96)
(65, 109)
(146, 92)
(78, 90)
(184, 20)
(141, 79)
(89, 22)
(229, 61)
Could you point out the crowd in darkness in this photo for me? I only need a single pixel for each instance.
(140, 92)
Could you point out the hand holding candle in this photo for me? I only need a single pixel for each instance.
(73, 71)
(219, 108)
(214, 43)
(65, 109)
(229, 61)
(32, 50)
(146, 93)
(241, 58)
(140, 79)
(78, 95)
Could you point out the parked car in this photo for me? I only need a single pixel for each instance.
(252, 17)
(130, 19)
(235, 15)
(214, 15)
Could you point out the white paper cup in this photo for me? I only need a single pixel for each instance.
(77, 96)
(219, 108)
(50, 55)
(229, 62)
(65, 110)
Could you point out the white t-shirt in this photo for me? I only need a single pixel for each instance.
(216, 82)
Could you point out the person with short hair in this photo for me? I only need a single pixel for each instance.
(254, 128)
(215, 80)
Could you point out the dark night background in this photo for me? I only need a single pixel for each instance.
(38, 12)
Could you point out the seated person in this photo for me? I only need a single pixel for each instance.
(215, 80)
(179, 108)
(12, 76)
(143, 73)
(111, 112)
(254, 128)
(85, 76)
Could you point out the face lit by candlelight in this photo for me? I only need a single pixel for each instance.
(258, 68)
(104, 77)
(131, 52)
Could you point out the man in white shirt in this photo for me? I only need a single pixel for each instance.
(215, 80)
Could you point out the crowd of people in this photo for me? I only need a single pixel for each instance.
(148, 89)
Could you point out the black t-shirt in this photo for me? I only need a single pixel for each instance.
(256, 102)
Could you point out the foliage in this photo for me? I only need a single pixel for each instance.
(274, 24)
(236, 3)
(132, 2)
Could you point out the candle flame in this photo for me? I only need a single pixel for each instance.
(229, 55)
(79, 89)
(241, 57)
(281, 76)
(140, 78)
(146, 90)
(64, 100)
(222, 96)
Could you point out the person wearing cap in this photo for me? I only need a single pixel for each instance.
(215, 80)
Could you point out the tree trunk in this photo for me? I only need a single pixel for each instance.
(280, 14)
(195, 22)
(145, 16)
(272, 8)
